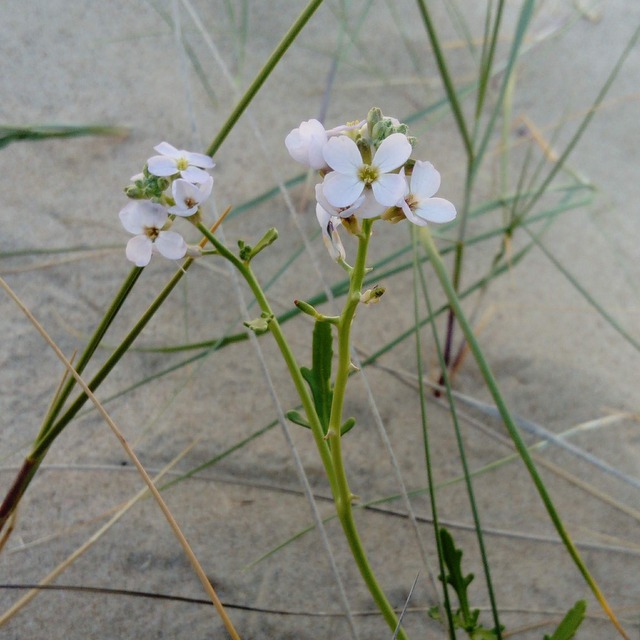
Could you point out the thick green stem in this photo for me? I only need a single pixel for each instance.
(329, 447)
(343, 496)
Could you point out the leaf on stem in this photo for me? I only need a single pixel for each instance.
(570, 623)
(319, 376)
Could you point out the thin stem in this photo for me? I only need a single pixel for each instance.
(492, 385)
(206, 583)
(285, 350)
(463, 460)
(426, 442)
(263, 74)
(89, 350)
(446, 78)
(53, 429)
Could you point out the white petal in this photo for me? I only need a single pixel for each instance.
(162, 166)
(435, 210)
(345, 127)
(370, 207)
(323, 216)
(412, 216)
(139, 250)
(342, 190)
(389, 188)
(337, 211)
(392, 153)
(171, 245)
(199, 160)
(342, 155)
(167, 149)
(330, 236)
(305, 144)
(194, 175)
(296, 146)
(183, 211)
(205, 188)
(425, 180)
(184, 190)
(138, 214)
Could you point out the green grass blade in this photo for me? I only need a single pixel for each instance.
(492, 385)
(38, 132)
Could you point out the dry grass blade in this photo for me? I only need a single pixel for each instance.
(154, 491)
(33, 592)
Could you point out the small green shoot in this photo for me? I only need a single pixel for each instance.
(570, 623)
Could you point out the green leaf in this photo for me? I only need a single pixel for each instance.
(319, 376)
(570, 623)
(296, 418)
(453, 560)
(347, 425)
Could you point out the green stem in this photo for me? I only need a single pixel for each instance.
(492, 385)
(343, 496)
(276, 330)
(89, 350)
(52, 428)
(329, 447)
(263, 74)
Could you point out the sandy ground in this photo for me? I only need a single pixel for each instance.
(559, 364)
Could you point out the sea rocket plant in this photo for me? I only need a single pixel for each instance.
(367, 173)
(149, 216)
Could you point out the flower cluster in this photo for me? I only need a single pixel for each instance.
(150, 214)
(367, 172)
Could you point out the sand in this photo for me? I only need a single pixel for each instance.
(559, 364)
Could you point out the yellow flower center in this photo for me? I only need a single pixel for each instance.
(182, 163)
(368, 173)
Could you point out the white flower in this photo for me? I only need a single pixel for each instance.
(188, 196)
(328, 224)
(190, 165)
(350, 175)
(365, 206)
(147, 219)
(418, 205)
(305, 144)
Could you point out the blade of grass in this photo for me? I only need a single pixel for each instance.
(37, 132)
(419, 276)
(447, 79)
(487, 374)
